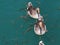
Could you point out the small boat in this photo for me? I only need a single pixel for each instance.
(33, 16)
(38, 30)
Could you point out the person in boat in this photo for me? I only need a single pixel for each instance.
(32, 11)
(41, 43)
(36, 11)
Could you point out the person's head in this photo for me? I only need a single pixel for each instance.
(41, 43)
(29, 4)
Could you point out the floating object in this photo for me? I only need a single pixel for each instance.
(34, 13)
(29, 8)
(41, 43)
(33, 16)
(39, 31)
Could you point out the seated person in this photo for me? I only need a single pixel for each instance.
(33, 12)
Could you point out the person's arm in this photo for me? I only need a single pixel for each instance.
(28, 13)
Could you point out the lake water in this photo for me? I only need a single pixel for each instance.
(13, 28)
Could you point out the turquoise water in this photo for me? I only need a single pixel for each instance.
(12, 27)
